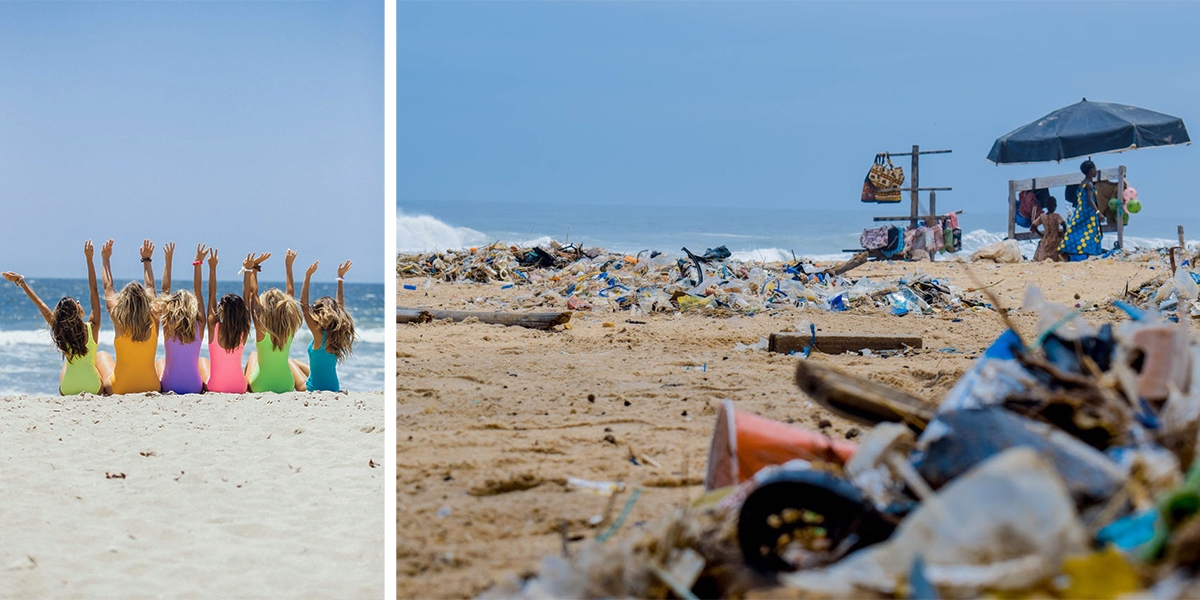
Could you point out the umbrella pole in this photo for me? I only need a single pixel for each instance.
(1121, 204)
(914, 193)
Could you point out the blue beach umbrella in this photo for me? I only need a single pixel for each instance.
(1087, 128)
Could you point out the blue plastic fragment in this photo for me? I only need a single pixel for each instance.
(1134, 312)
(409, 287)
(505, 287)
(570, 289)
(1129, 532)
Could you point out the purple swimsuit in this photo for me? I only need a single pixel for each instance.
(181, 371)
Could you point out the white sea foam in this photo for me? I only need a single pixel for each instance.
(423, 233)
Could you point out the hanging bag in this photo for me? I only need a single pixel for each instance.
(890, 179)
(875, 174)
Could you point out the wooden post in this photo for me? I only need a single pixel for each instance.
(1182, 242)
(1120, 198)
(914, 193)
(1012, 209)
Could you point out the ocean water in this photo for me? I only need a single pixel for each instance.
(750, 232)
(30, 364)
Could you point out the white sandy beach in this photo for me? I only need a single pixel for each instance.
(214, 495)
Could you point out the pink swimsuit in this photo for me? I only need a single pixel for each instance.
(225, 372)
(181, 369)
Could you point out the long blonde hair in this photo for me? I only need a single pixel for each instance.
(279, 315)
(134, 311)
(336, 324)
(178, 310)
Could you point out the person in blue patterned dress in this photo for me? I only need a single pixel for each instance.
(1082, 239)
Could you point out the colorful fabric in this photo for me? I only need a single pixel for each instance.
(81, 375)
(181, 369)
(1083, 230)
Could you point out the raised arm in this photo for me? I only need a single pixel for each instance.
(20, 281)
(313, 326)
(110, 294)
(147, 253)
(211, 321)
(93, 294)
(169, 256)
(342, 270)
(198, 284)
(252, 265)
(290, 258)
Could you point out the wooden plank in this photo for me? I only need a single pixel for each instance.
(837, 343)
(857, 261)
(920, 217)
(530, 320)
(861, 399)
(1021, 185)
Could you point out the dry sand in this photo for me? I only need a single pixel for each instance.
(492, 420)
(214, 495)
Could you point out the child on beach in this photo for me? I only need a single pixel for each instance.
(228, 327)
(183, 319)
(276, 318)
(86, 369)
(1053, 235)
(329, 322)
(135, 323)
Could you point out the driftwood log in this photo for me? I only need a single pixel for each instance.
(856, 261)
(837, 343)
(860, 399)
(531, 320)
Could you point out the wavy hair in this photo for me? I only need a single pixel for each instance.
(134, 311)
(279, 314)
(69, 331)
(336, 324)
(234, 318)
(179, 315)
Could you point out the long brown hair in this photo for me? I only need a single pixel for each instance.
(234, 318)
(134, 311)
(69, 331)
(280, 316)
(336, 324)
(179, 313)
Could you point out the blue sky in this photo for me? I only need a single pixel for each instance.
(769, 103)
(251, 126)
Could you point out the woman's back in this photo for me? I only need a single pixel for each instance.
(134, 372)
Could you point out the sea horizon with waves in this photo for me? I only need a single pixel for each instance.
(30, 364)
(755, 233)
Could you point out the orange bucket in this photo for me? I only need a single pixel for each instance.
(743, 443)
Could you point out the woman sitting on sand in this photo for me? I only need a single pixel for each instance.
(1083, 235)
(276, 318)
(228, 327)
(329, 322)
(135, 323)
(183, 318)
(86, 370)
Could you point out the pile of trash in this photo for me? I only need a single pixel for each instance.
(1062, 464)
(593, 279)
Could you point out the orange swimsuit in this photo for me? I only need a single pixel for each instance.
(134, 372)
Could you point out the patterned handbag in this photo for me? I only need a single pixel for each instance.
(889, 179)
(875, 174)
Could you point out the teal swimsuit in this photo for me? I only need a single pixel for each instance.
(322, 369)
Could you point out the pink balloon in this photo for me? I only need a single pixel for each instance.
(1129, 194)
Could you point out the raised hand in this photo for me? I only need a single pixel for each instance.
(169, 250)
(106, 250)
(212, 257)
(290, 257)
(88, 250)
(147, 250)
(201, 250)
(311, 269)
(262, 258)
(343, 268)
(13, 277)
(249, 262)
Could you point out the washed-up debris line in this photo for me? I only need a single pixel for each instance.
(593, 279)
(1062, 464)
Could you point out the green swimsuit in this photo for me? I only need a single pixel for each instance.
(81, 375)
(272, 373)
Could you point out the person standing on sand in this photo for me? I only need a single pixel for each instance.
(1083, 235)
(86, 370)
(1053, 235)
